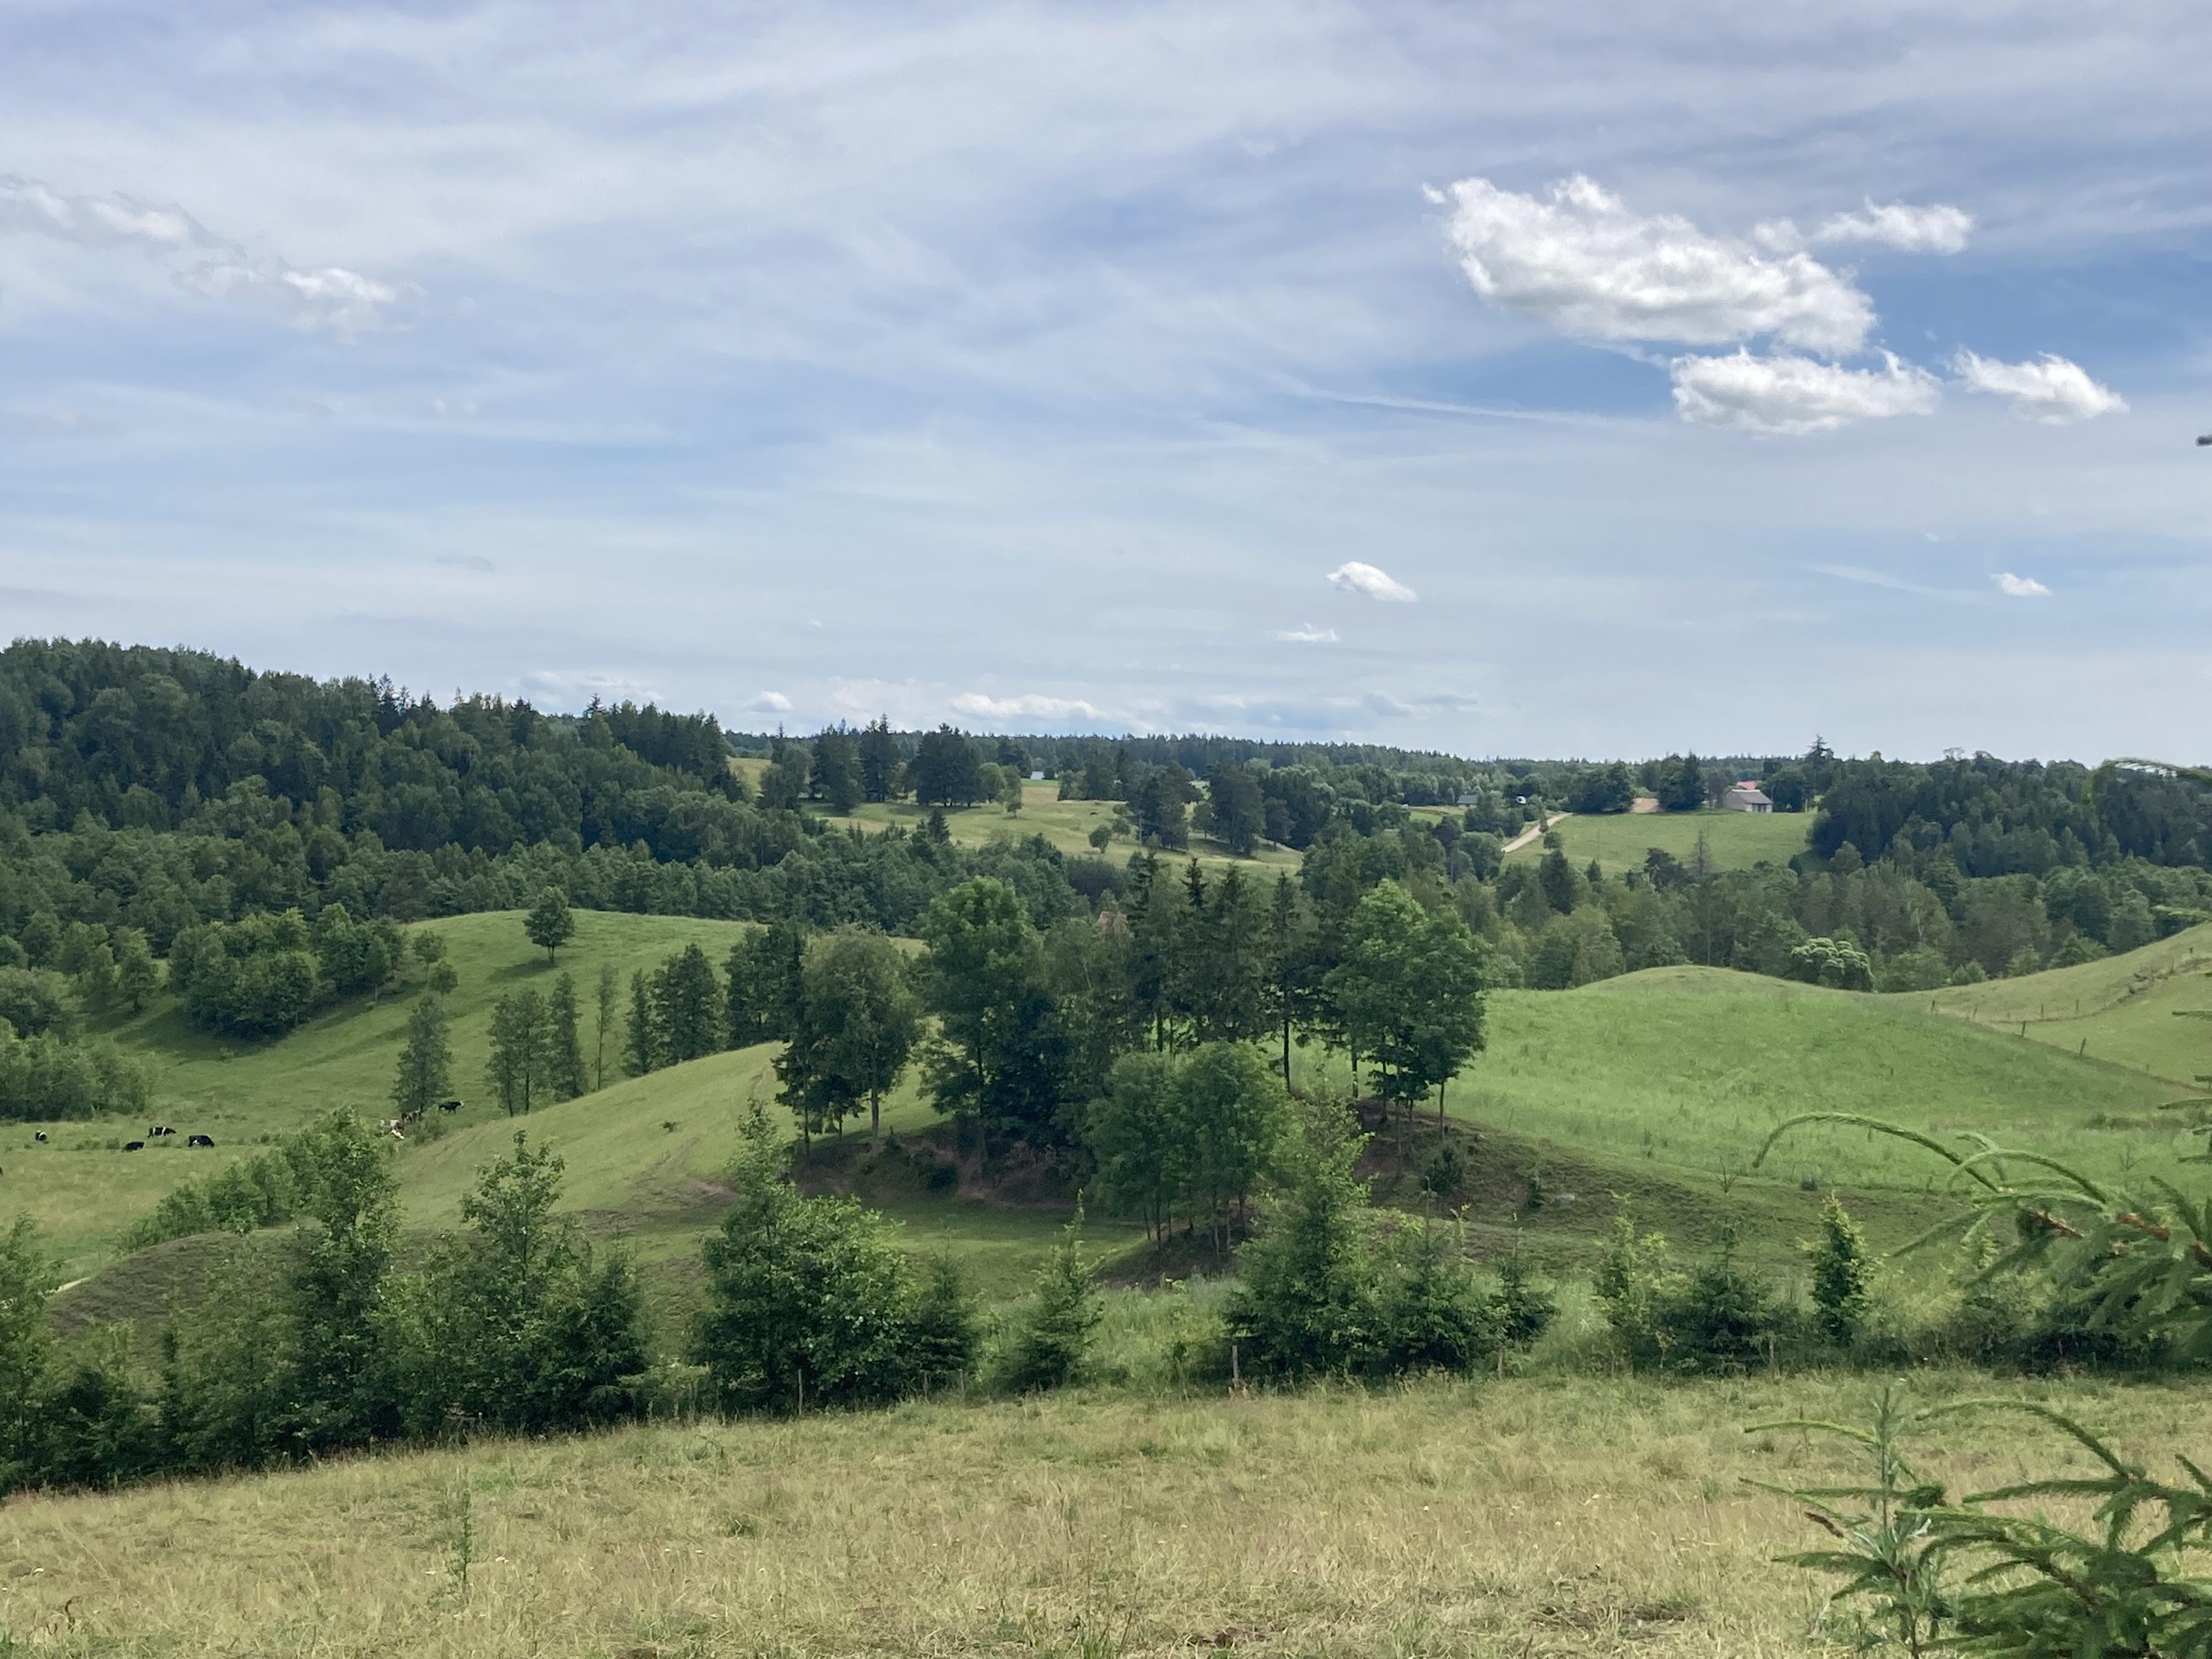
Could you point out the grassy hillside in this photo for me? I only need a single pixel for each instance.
(1554, 1516)
(1618, 841)
(2122, 1009)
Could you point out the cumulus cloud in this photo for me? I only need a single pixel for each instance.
(1309, 634)
(1030, 707)
(769, 702)
(344, 301)
(1581, 262)
(1354, 577)
(2051, 390)
(1791, 396)
(2019, 587)
(1938, 228)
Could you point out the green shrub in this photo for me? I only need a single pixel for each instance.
(1843, 1275)
(1304, 1304)
(45, 1078)
(1054, 1331)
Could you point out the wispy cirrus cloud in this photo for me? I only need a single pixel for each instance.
(1308, 635)
(344, 301)
(1028, 706)
(1354, 576)
(1789, 396)
(2052, 390)
(1935, 229)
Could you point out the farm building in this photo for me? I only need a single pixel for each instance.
(1746, 797)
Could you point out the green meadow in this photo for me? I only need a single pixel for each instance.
(1618, 840)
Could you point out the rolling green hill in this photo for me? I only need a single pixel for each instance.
(1735, 840)
(2122, 1009)
(1066, 823)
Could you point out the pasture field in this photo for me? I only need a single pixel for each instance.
(1066, 823)
(1535, 1516)
(2141, 1009)
(1618, 841)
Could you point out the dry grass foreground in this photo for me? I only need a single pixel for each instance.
(1522, 1518)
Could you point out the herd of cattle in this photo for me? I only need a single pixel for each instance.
(396, 1127)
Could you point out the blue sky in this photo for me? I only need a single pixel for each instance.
(1704, 375)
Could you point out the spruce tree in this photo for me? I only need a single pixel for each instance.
(517, 1069)
(608, 992)
(688, 1006)
(426, 1060)
(564, 1050)
(640, 1042)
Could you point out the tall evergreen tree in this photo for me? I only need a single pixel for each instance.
(944, 770)
(641, 1049)
(688, 1006)
(565, 1078)
(606, 995)
(877, 754)
(837, 770)
(517, 1069)
(1239, 812)
(764, 988)
(426, 1059)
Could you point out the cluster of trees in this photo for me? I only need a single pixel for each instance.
(263, 975)
(45, 1071)
(330, 1338)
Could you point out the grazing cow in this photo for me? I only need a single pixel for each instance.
(158, 1130)
(395, 1134)
(40, 1137)
(408, 1119)
(134, 1146)
(449, 1105)
(198, 1140)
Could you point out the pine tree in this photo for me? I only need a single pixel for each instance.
(640, 1042)
(879, 760)
(516, 1069)
(1842, 1274)
(426, 1060)
(563, 1051)
(688, 1006)
(1056, 1332)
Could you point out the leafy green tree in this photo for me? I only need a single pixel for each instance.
(943, 770)
(1054, 1331)
(808, 1299)
(1681, 784)
(1407, 992)
(564, 1050)
(1229, 1110)
(783, 783)
(137, 976)
(257, 977)
(518, 1323)
(641, 1046)
(338, 1390)
(549, 924)
(997, 1053)
(354, 956)
(1836, 964)
(1239, 816)
(877, 754)
(861, 1020)
(425, 1075)
(1159, 805)
(837, 780)
(606, 995)
(1135, 1133)
(25, 1342)
(765, 974)
(516, 1068)
(34, 1002)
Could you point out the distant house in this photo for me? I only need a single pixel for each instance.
(1470, 800)
(1746, 797)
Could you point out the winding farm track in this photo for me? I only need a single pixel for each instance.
(1532, 832)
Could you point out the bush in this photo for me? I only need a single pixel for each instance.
(812, 1299)
(1716, 1318)
(1523, 1311)
(255, 978)
(1304, 1304)
(1433, 1314)
(1836, 964)
(45, 1078)
(33, 1001)
(1056, 1330)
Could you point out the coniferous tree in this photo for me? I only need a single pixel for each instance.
(426, 1059)
(606, 995)
(944, 770)
(837, 780)
(565, 1076)
(641, 1049)
(1239, 813)
(764, 973)
(516, 1068)
(877, 754)
(688, 1006)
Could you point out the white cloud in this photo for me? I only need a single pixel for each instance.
(1936, 229)
(1792, 396)
(2019, 587)
(2051, 390)
(344, 301)
(1355, 577)
(1030, 707)
(1309, 634)
(1587, 266)
(769, 702)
